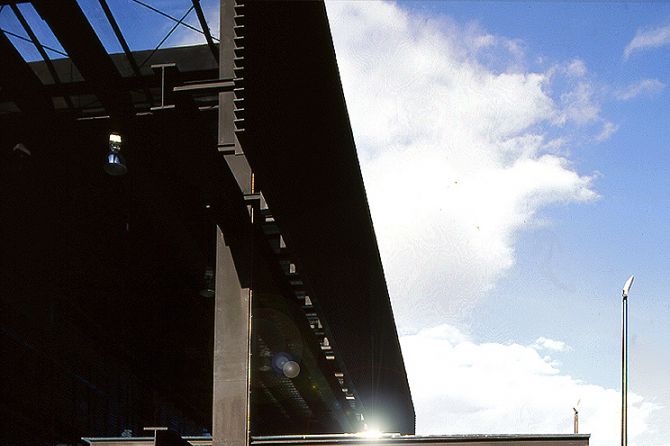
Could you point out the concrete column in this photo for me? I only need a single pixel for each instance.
(232, 336)
(232, 312)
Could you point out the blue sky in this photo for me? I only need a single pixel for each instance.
(580, 258)
(464, 82)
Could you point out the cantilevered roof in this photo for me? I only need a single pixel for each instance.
(75, 70)
(304, 156)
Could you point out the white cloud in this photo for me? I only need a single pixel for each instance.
(649, 38)
(607, 131)
(457, 156)
(484, 41)
(460, 386)
(578, 105)
(577, 68)
(543, 343)
(645, 86)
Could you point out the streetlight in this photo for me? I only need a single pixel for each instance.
(624, 359)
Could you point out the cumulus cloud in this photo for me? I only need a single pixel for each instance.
(460, 149)
(649, 38)
(645, 86)
(472, 387)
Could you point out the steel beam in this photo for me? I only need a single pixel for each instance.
(40, 49)
(129, 83)
(205, 29)
(206, 87)
(19, 82)
(124, 45)
(69, 24)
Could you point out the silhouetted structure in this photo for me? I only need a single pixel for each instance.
(237, 248)
(108, 321)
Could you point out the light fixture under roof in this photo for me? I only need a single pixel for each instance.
(115, 164)
(208, 288)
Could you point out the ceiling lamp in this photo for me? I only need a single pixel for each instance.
(208, 288)
(115, 164)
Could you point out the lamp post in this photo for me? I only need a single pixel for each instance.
(624, 359)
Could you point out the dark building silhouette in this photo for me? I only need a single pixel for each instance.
(107, 281)
(227, 286)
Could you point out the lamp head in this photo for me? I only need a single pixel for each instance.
(115, 164)
(627, 285)
(114, 142)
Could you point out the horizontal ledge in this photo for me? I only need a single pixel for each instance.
(215, 86)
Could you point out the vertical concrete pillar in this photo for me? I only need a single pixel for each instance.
(232, 335)
(232, 313)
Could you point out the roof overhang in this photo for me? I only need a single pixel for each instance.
(298, 143)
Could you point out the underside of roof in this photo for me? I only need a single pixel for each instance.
(110, 270)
